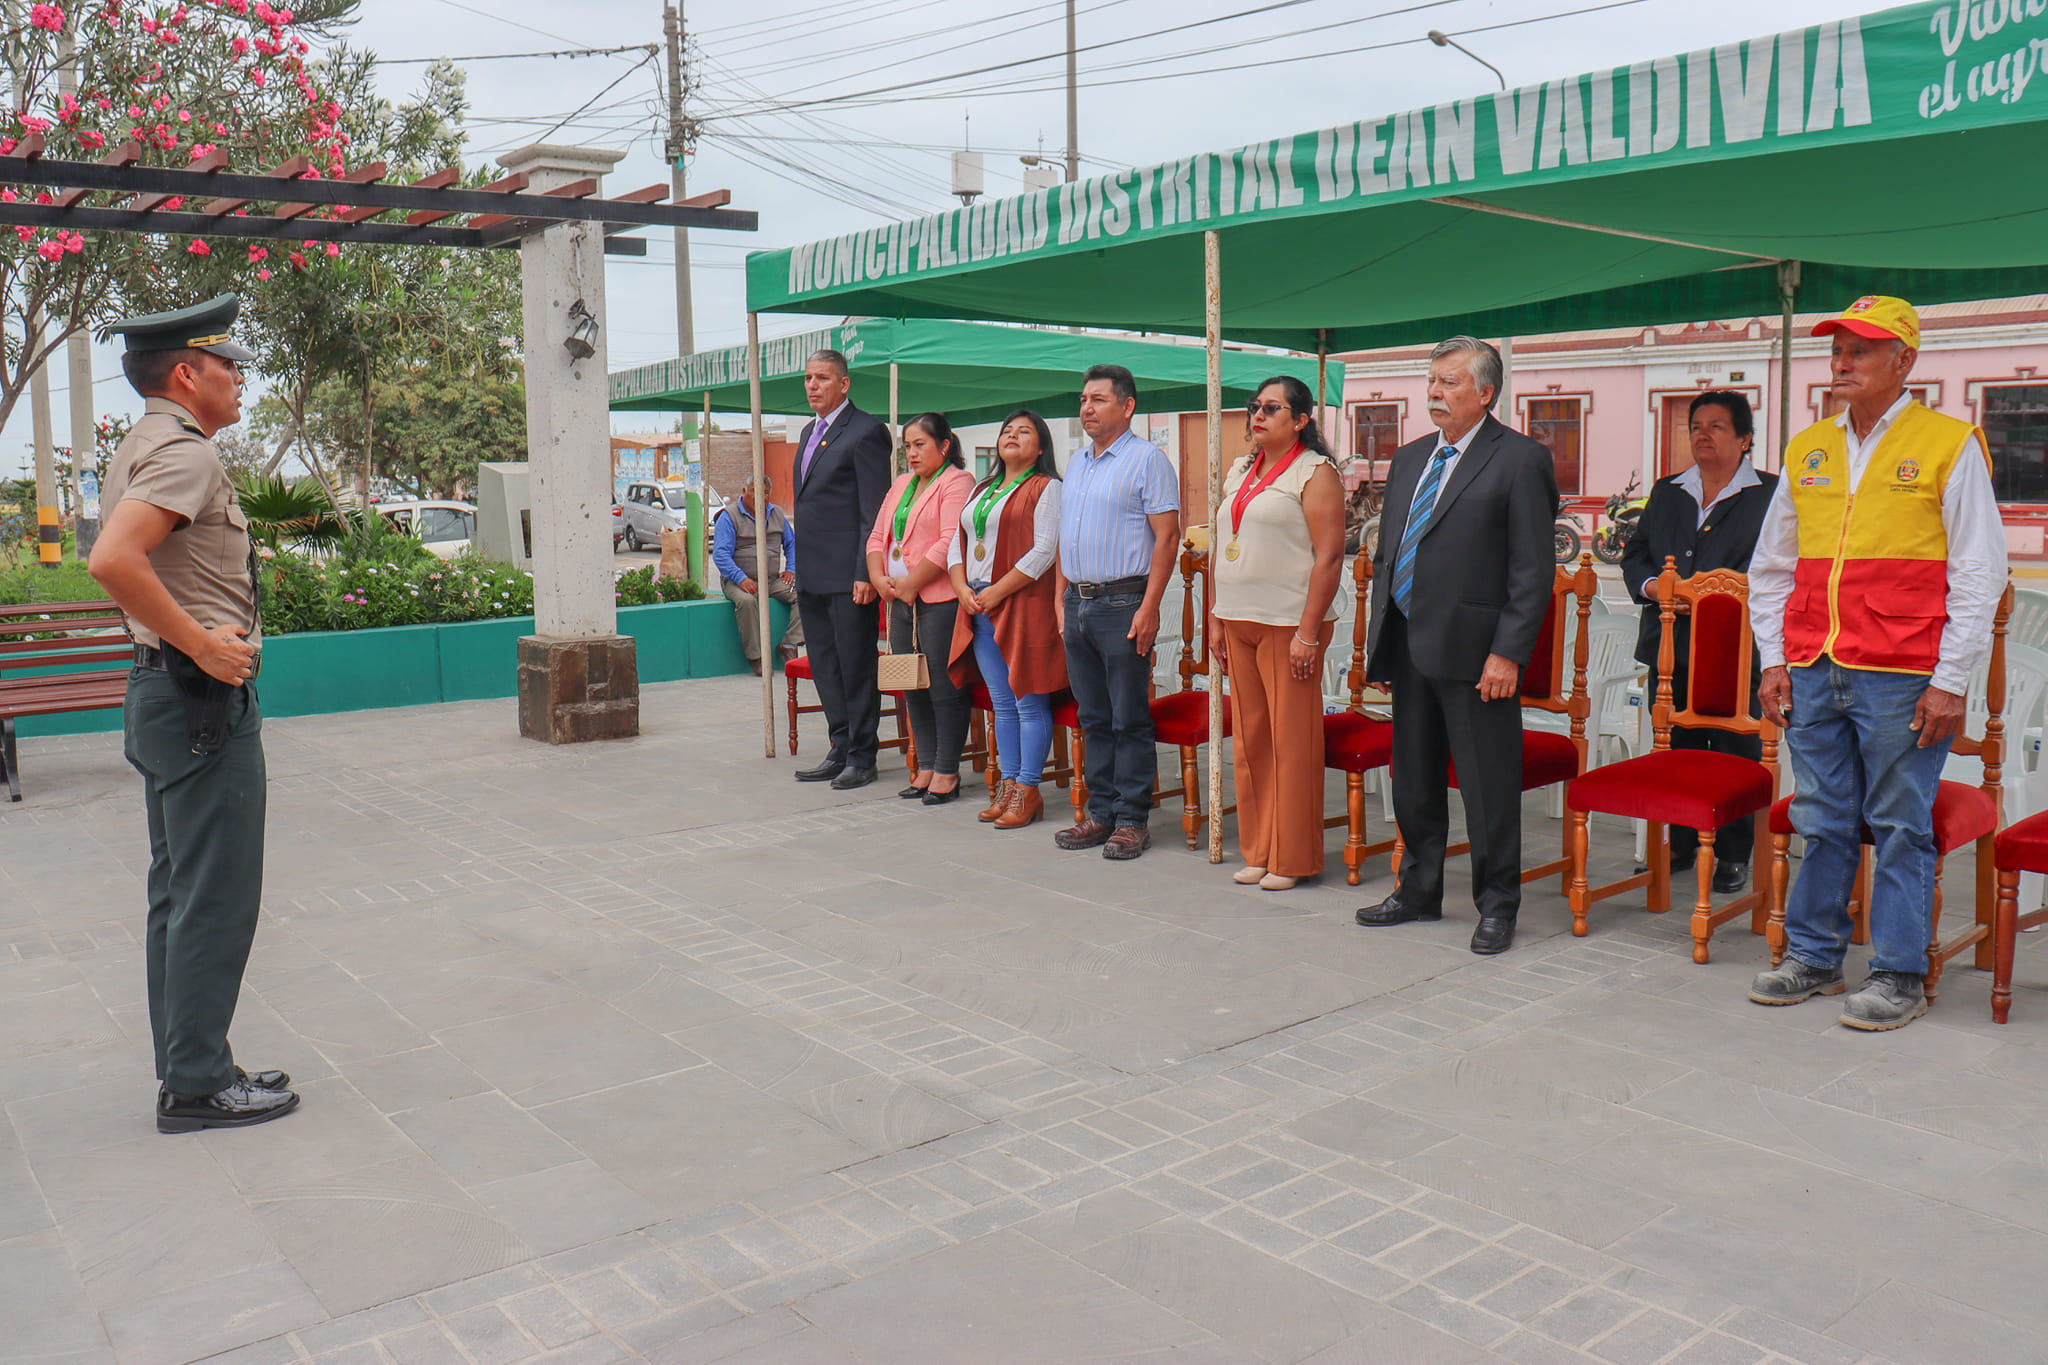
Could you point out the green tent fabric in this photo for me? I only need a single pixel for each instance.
(1900, 153)
(971, 371)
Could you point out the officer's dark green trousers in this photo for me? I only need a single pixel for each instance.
(205, 875)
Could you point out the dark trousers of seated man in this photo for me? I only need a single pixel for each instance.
(205, 883)
(1111, 683)
(842, 637)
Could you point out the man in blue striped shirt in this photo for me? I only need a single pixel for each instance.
(1119, 534)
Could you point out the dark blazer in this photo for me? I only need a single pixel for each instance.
(836, 504)
(1670, 529)
(1485, 565)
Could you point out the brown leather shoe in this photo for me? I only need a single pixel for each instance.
(1090, 833)
(998, 801)
(1026, 807)
(1127, 843)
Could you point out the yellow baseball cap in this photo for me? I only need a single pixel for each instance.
(1877, 316)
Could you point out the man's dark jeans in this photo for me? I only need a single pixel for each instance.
(1111, 684)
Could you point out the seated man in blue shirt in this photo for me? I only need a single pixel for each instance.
(732, 550)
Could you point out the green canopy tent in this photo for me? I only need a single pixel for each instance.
(1898, 153)
(971, 371)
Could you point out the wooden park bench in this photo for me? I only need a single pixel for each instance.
(85, 668)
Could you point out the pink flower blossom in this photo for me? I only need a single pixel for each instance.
(46, 16)
(7, 145)
(263, 274)
(298, 260)
(333, 250)
(199, 247)
(50, 251)
(240, 47)
(174, 203)
(92, 139)
(134, 111)
(160, 103)
(184, 116)
(8, 196)
(257, 253)
(256, 75)
(24, 232)
(73, 241)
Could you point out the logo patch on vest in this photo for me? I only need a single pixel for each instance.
(1815, 459)
(1909, 470)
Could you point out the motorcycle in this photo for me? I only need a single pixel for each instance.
(1567, 535)
(1624, 510)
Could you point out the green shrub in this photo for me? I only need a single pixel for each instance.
(352, 592)
(640, 588)
(29, 581)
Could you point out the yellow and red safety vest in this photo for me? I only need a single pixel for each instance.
(1871, 588)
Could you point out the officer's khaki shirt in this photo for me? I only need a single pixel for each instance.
(204, 563)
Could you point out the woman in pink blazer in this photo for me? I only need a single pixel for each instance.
(907, 565)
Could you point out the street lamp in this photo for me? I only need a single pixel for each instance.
(1442, 39)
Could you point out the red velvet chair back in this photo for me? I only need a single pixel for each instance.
(1557, 670)
(1194, 626)
(1720, 658)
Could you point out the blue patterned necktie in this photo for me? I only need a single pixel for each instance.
(1418, 521)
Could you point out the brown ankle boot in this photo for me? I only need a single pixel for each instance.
(1026, 808)
(998, 801)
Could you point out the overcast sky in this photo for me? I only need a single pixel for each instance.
(1258, 76)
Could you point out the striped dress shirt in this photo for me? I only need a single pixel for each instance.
(1104, 533)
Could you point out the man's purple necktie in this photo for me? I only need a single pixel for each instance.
(811, 448)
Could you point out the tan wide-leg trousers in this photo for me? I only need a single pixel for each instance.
(1277, 732)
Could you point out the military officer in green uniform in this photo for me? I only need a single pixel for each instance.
(174, 555)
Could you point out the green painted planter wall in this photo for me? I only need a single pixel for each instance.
(364, 670)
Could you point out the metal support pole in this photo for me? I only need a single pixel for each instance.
(84, 436)
(1212, 291)
(760, 530)
(704, 471)
(1788, 289)
(1073, 104)
(1323, 382)
(895, 419)
(1505, 399)
(49, 518)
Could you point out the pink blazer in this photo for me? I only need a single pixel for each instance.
(929, 531)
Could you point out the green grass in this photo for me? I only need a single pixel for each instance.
(24, 580)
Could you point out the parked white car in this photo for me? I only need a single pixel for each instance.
(446, 528)
(651, 508)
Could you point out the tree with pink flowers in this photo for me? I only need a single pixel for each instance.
(179, 80)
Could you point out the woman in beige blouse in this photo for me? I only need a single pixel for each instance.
(1276, 556)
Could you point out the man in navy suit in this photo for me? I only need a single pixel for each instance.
(842, 474)
(1461, 580)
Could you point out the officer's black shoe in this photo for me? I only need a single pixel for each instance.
(849, 778)
(238, 1106)
(824, 772)
(1730, 878)
(265, 1080)
(1393, 911)
(1495, 934)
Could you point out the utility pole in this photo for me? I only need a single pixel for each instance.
(682, 134)
(84, 439)
(1073, 104)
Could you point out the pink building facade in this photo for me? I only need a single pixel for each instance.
(1614, 404)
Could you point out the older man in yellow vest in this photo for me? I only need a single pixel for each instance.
(1872, 593)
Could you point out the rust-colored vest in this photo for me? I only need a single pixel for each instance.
(1026, 624)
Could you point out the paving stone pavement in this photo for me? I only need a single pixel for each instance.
(643, 1050)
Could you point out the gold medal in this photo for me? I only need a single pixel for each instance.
(980, 551)
(1230, 550)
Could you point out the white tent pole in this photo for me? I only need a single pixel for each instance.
(1212, 266)
(895, 419)
(1322, 382)
(1788, 286)
(761, 531)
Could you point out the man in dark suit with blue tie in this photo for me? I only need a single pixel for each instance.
(1461, 580)
(842, 474)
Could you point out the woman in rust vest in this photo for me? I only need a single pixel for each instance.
(1004, 567)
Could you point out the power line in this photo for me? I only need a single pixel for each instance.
(486, 14)
(511, 56)
(828, 57)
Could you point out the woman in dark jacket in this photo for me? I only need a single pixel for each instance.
(1706, 517)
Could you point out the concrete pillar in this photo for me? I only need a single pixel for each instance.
(578, 677)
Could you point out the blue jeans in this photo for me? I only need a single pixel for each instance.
(1857, 763)
(1111, 682)
(1023, 724)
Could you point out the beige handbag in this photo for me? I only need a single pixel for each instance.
(904, 672)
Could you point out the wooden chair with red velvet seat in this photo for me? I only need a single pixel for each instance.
(1548, 756)
(2021, 847)
(1963, 814)
(1182, 718)
(800, 667)
(1353, 742)
(1066, 720)
(981, 743)
(1692, 787)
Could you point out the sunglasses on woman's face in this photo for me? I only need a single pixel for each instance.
(1264, 409)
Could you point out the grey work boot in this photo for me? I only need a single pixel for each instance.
(1794, 982)
(1888, 1000)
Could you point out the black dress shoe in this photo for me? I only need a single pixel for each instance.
(824, 772)
(1730, 878)
(1392, 911)
(941, 798)
(265, 1080)
(911, 793)
(1495, 934)
(238, 1106)
(849, 778)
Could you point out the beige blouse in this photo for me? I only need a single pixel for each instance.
(1268, 581)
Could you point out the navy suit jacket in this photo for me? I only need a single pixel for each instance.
(837, 501)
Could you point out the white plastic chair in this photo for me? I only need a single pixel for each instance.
(1610, 641)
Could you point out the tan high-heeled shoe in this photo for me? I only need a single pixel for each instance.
(998, 801)
(1248, 876)
(1026, 807)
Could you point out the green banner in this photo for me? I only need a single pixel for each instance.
(1899, 74)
